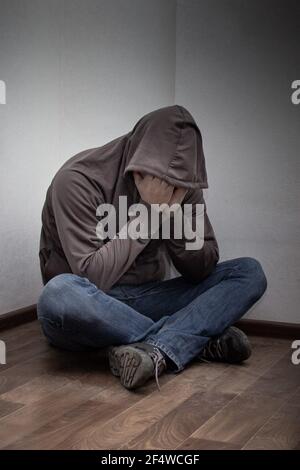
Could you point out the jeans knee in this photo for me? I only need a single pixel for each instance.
(53, 298)
(253, 269)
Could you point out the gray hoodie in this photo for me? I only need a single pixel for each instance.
(165, 143)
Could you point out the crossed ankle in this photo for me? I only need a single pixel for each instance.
(170, 364)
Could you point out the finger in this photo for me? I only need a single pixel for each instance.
(180, 192)
(156, 180)
(178, 196)
(149, 178)
(166, 185)
(137, 177)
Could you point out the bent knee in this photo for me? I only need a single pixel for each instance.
(252, 268)
(56, 294)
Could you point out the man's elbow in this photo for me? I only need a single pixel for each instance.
(200, 270)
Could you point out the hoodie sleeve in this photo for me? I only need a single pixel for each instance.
(195, 265)
(74, 204)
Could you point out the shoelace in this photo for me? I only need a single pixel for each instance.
(159, 363)
(214, 349)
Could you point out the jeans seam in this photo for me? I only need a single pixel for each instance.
(142, 295)
(167, 351)
(53, 323)
(57, 325)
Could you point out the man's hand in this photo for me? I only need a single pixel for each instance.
(156, 191)
(153, 190)
(178, 196)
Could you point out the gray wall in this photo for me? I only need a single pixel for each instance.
(78, 74)
(236, 60)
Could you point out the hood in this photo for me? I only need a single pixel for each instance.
(167, 143)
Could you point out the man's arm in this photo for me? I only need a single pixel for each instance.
(195, 265)
(75, 214)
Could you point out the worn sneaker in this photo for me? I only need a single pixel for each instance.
(232, 346)
(136, 363)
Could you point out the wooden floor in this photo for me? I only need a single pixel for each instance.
(51, 399)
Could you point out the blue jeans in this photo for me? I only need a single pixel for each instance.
(175, 315)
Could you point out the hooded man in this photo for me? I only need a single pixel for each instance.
(111, 292)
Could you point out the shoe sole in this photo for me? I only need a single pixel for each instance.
(124, 362)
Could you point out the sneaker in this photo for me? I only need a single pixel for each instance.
(136, 363)
(232, 346)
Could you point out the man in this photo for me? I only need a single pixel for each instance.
(111, 293)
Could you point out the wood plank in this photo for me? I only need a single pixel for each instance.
(59, 433)
(237, 422)
(295, 399)
(22, 373)
(281, 431)
(24, 337)
(20, 331)
(35, 389)
(22, 343)
(243, 417)
(203, 444)
(169, 432)
(59, 399)
(137, 418)
(56, 362)
(8, 407)
(23, 352)
(265, 354)
(30, 417)
(174, 428)
(280, 381)
(207, 375)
